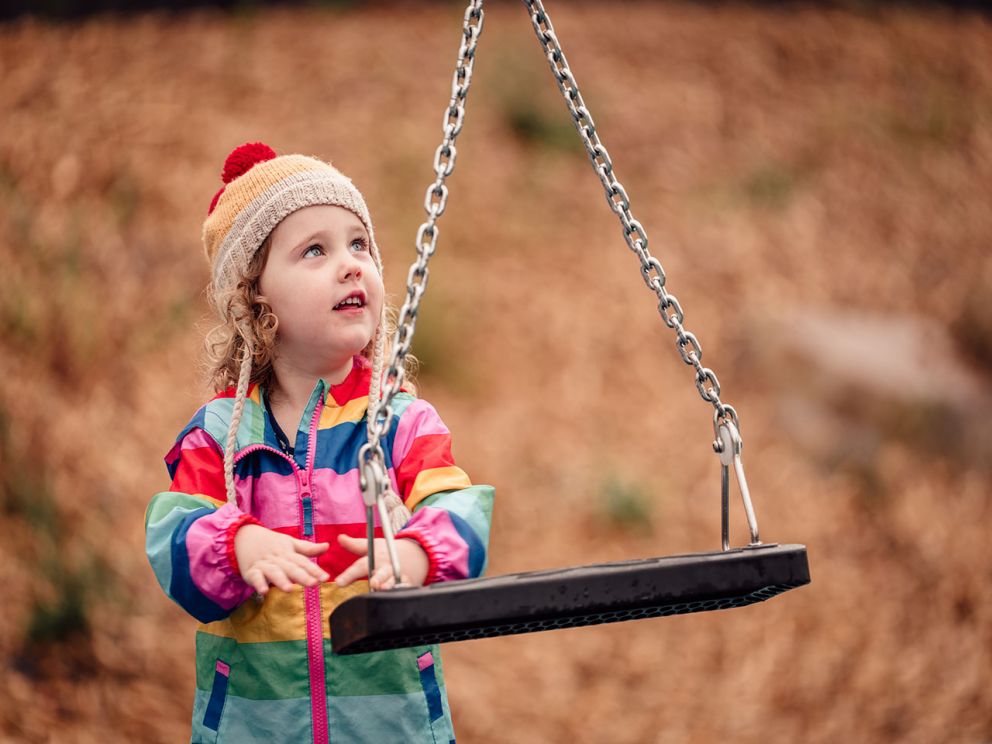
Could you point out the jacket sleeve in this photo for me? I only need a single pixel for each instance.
(189, 532)
(451, 516)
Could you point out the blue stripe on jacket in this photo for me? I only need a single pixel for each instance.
(182, 589)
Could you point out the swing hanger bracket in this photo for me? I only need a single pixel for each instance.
(728, 446)
(370, 475)
(374, 482)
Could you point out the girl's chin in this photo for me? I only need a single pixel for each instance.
(314, 358)
(327, 352)
(343, 353)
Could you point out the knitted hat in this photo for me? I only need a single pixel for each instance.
(260, 190)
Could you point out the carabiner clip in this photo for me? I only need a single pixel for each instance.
(373, 481)
(730, 454)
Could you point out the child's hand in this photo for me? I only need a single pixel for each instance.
(413, 563)
(269, 558)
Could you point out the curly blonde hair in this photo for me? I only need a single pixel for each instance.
(242, 308)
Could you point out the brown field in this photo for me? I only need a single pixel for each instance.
(817, 185)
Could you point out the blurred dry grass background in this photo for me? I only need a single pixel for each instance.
(817, 184)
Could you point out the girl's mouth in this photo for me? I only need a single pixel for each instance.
(351, 303)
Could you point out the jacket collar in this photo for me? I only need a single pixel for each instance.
(256, 422)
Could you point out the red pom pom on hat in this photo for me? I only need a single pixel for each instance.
(240, 162)
(244, 157)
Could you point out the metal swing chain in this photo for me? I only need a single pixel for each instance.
(726, 425)
(374, 479)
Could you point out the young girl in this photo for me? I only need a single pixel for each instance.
(262, 532)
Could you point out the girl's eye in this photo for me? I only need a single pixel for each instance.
(310, 251)
(361, 243)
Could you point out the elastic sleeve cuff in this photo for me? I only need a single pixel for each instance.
(435, 560)
(227, 540)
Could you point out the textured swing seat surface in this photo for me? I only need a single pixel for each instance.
(564, 598)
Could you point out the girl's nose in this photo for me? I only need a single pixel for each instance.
(350, 269)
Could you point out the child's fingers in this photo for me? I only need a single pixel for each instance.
(356, 545)
(308, 548)
(283, 572)
(381, 579)
(256, 580)
(384, 578)
(303, 567)
(357, 570)
(309, 566)
(297, 573)
(274, 574)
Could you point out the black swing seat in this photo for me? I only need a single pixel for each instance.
(564, 598)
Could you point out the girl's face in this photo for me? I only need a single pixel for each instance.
(323, 286)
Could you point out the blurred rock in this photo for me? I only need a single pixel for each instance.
(851, 379)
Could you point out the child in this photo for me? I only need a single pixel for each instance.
(262, 532)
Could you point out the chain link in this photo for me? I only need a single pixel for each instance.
(637, 240)
(371, 456)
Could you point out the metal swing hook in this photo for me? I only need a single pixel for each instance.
(728, 446)
(373, 481)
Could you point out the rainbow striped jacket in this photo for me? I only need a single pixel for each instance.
(264, 669)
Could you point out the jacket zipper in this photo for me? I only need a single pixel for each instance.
(311, 594)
